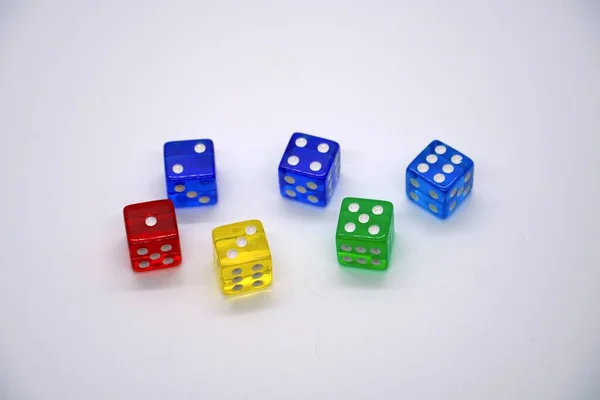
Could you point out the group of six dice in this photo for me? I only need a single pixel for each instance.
(438, 179)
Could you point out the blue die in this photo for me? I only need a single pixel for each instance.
(439, 179)
(190, 172)
(309, 169)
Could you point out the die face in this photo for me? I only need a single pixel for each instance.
(190, 172)
(196, 158)
(192, 193)
(247, 277)
(365, 233)
(439, 179)
(310, 169)
(458, 194)
(151, 220)
(155, 255)
(152, 235)
(242, 257)
(369, 255)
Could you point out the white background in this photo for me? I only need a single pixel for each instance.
(499, 302)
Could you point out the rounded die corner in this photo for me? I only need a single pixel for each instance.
(295, 135)
(348, 199)
(257, 222)
(127, 210)
(391, 205)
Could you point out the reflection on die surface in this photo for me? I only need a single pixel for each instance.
(242, 257)
(439, 179)
(309, 169)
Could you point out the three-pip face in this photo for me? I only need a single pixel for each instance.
(309, 169)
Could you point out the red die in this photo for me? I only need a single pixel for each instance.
(152, 235)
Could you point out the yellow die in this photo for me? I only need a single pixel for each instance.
(242, 257)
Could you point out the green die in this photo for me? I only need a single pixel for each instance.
(365, 233)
